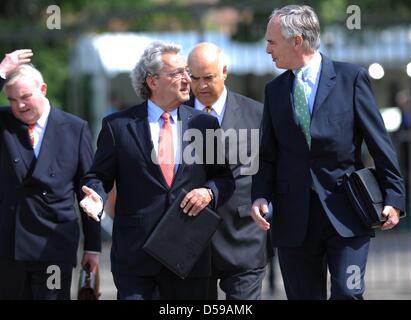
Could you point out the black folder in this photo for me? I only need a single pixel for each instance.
(178, 240)
(364, 192)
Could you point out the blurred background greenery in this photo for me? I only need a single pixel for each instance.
(23, 24)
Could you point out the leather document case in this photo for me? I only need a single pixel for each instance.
(365, 195)
(89, 284)
(178, 240)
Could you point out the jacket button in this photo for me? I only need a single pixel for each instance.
(52, 174)
(44, 193)
(15, 160)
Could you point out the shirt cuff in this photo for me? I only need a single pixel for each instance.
(2, 75)
(88, 251)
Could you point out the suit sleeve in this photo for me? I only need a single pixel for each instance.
(2, 82)
(371, 124)
(263, 180)
(219, 176)
(102, 173)
(91, 228)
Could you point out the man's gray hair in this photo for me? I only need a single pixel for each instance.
(24, 70)
(299, 20)
(150, 64)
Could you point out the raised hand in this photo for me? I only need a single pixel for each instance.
(14, 59)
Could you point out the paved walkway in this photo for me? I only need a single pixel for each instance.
(388, 273)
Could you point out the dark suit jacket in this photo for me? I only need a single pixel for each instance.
(345, 114)
(239, 244)
(143, 196)
(2, 82)
(38, 221)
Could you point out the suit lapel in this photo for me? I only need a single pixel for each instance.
(51, 143)
(288, 103)
(231, 114)
(288, 116)
(184, 116)
(140, 131)
(326, 83)
(21, 142)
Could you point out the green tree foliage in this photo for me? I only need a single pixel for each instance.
(375, 14)
(23, 24)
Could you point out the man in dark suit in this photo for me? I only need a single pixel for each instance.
(239, 248)
(11, 61)
(316, 116)
(43, 154)
(144, 149)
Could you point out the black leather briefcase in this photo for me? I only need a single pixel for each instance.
(178, 240)
(88, 286)
(365, 195)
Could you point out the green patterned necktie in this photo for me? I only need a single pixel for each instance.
(301, 106)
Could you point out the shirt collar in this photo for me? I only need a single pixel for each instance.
(155, 112)
(218, 106)
(42, 122)
(311, 69)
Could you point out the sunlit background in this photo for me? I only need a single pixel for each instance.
(86, 56)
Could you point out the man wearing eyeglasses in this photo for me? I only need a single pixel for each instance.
(239, 248)
(127, 143)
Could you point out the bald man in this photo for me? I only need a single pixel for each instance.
(239, 249)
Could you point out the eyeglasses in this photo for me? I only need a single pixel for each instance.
(179, 73)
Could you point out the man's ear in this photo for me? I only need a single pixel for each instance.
(43, 89)
(151, 82)
(298, 41)
(225, 72)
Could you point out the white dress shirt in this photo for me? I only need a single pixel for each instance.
(218, 106)
(311, 77)
(156, 122)
(40, 128)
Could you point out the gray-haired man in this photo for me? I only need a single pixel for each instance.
(145, 189)
(317, 114)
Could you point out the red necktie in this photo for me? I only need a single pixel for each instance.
(31, 134)
(166, 149)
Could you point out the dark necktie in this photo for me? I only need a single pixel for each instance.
(208, 109)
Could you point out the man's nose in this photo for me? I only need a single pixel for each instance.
(203, 83)
(186, 77)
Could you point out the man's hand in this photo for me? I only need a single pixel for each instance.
(14, 59)
(393, 217)
(258, 210)
(91, 203)
(195, 201)
(91, 259)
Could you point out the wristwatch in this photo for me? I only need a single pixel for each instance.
(210, 192)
